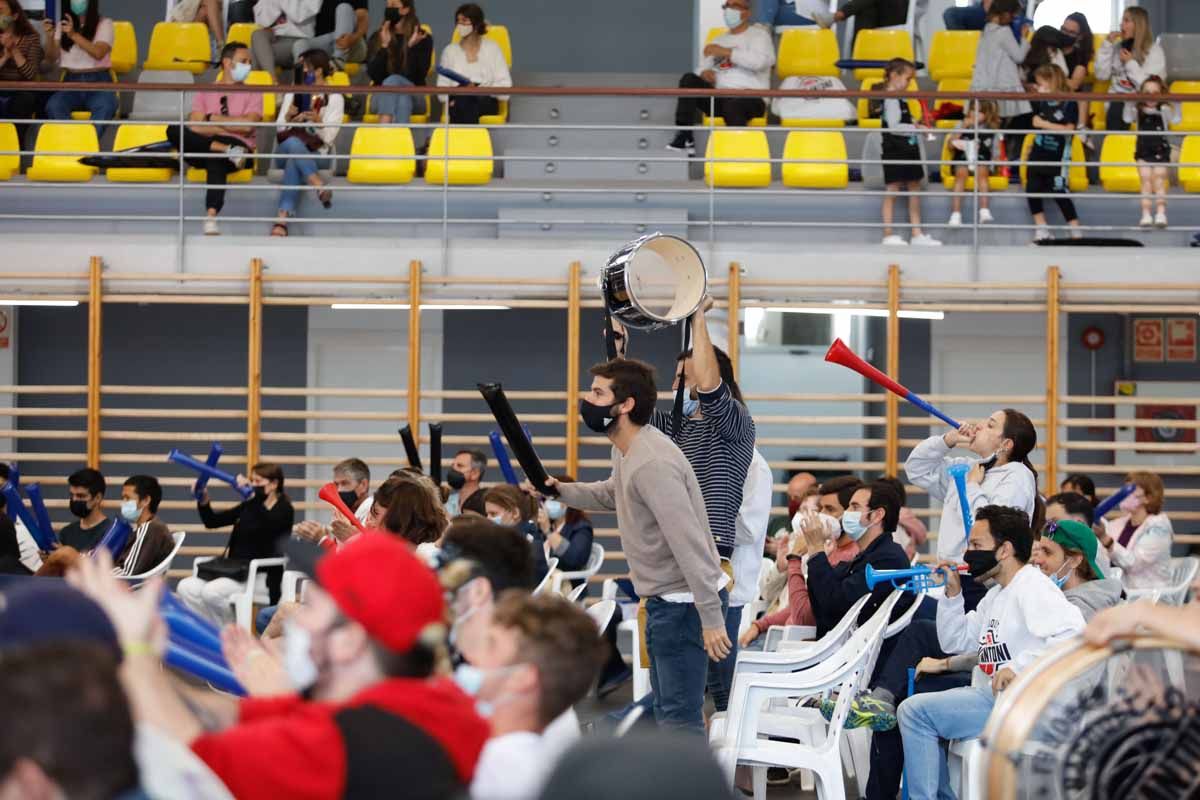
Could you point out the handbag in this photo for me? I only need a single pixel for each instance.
(223, 567)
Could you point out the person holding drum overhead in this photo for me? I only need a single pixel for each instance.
(1004, 477)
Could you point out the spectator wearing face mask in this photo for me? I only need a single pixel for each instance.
(569, 533)
(400, 54)
(1066, 553)
(361, 648)
(477, 58)
(509, 506)
(1074, 506)
(543, 656)
(463, 477)
(258, 526)
(1139, 540)
(352, 477)
(86, 488)
(151, 540)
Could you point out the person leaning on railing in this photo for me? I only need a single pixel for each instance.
(20, 60)
(84, 50)
(400, 54)
(323, 112)
(221, 129)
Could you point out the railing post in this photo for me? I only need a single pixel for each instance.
(94, 363)
(1053, 277)
(892, 403)
(254, 367)
(573, 325)
(414, 349)
(735, 313)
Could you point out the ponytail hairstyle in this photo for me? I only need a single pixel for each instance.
(1019, 428)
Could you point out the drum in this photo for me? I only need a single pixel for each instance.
(1096, 723)
(654, 282)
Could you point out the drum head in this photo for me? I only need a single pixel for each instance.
(665, 278)
(1098, 724)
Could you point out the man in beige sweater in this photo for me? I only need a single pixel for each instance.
(665, 535)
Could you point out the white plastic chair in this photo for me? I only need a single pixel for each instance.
(594, 562)
(1183, 572)
(964, 759)
(602, 613)
(161, 567)
(577, 593)
(802, 654)
(551, 565)
(778, 636)
(292, 590)
(737, 736)
(641, 671)
(254, 589)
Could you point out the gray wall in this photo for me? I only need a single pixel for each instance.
(617, 36)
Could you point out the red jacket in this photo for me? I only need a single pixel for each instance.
(286, 747)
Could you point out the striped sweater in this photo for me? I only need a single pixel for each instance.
(720, 446)
(30, 47)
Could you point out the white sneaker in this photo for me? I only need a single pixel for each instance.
(210, 227)
(1160, 219)
(955, 220)
(237, 156)
(894, 240)
(1146, 220)
(985, 216)
(925, 240)
(1041, 234)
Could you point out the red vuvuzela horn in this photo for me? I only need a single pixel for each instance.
(839, 353)
(329, 493)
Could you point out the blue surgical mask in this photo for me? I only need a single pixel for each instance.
(555, 509)
(240, 72)
(79, 7)
(469, 678)
(1060, 582)
(130, 511)
(733, 17)
(690, 406)
(310, 78)
(496, 518)
(852, 525)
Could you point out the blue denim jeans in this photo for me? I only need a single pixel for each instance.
(344, 23)
(678, 663)
(927, 719)
(967, 18)
(103, 105)
(720, 675)
(398, 106)
(296, 172)
(264, 618)
(780, 12)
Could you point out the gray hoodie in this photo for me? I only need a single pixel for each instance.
(1094, 596)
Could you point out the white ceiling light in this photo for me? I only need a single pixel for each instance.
(426, 307)
(862, 312)
(16, 301)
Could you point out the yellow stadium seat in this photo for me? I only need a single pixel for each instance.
(807, 51)
(63, 137)
(1191, 111)
(825, 145)
(260, 77)
(1077, 179)
(1097, 40)
(714, 33)
(865, 120)
(124, 47)
(952, 54)
(499, 35)
(9, 164)
(130, 135)
(997, 182)
(1189, 176)
(719, 122)
(802, 122)
(469, 155)
(951, 85)
(1096, 108)
(382, 142)
(740, 144)
(880, 45)
(179, 45)
(1118, 149)
(241, 32)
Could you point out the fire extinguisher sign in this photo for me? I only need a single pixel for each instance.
(1181, 339)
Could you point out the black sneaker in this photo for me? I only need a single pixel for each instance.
(778, 776)
(683, 143)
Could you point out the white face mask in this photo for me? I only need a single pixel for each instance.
(130, 511)
(464, 31)
(297, 656)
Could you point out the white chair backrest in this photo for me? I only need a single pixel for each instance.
(551, 565)
(595, 560)
(577, 593)
(902, 621)
(602, 613)
(161, 567)
(1183, 572)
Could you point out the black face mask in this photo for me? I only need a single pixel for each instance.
(260, 493)
(980, 562)
(597, 418)
(391, 15)
(349, 498)
(80, 508)
(455, 479)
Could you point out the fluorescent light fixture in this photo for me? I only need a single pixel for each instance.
(862, 312)
(427, 307)
(16, 301)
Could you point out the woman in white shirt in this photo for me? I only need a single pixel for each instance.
(1128, 57)
(1139, 541)
(478, 58)
(83, 48)
(302, 144)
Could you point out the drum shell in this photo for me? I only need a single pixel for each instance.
(621, 300)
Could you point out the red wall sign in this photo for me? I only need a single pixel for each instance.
(1181, 339)
(1147, 339)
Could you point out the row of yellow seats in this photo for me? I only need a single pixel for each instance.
(466, 157)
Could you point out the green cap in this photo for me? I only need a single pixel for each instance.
(1077, 536)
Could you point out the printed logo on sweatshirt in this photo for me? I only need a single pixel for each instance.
(992, 654)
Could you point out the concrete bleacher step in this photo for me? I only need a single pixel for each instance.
(582, 222)
(592, 110)
(553, 142)
(639, 165)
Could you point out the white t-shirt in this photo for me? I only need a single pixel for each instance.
(749, 65)
(1012, 625)
(750, 532)
(511, 767)
(489, 68)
